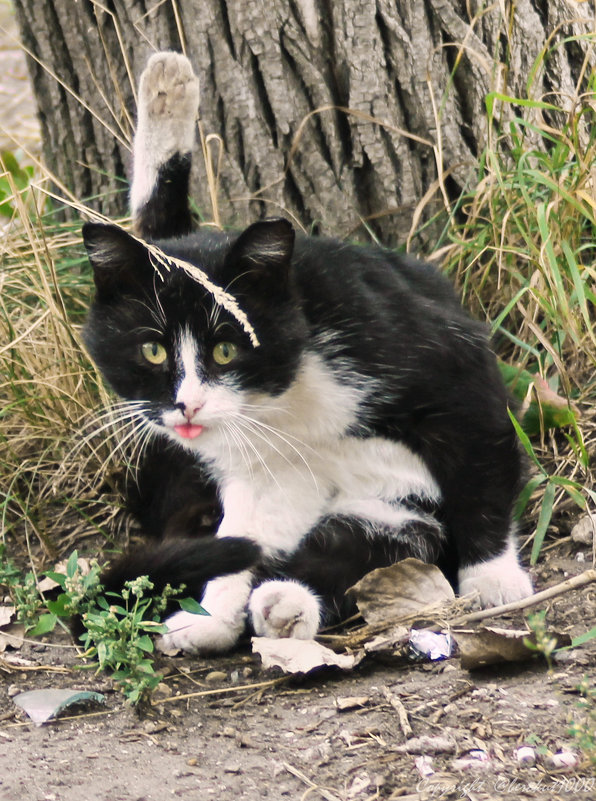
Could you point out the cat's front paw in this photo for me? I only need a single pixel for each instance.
(199, 634)
(498, 581)
(284, 609)
(169, 88)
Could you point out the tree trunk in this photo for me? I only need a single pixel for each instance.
(342, 113)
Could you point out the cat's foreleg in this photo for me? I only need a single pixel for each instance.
(225, 600)
(168, 103)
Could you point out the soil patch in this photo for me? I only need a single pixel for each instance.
(225, 728)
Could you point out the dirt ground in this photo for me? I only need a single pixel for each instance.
(224, 727)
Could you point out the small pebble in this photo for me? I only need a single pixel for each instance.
(215, 677)
(13, 690)
(583, 531)
(563, 760)
(162, 690)
(525, 755)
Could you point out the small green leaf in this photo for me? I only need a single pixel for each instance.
(145, 643)
(59, 578)
(44, 625)
(59, 607)
(72, 564)
(546, 512)
(192, 605)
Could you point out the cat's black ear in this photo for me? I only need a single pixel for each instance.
(120, 262)
(261, 255)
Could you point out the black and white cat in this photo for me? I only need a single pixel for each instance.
(369, 424)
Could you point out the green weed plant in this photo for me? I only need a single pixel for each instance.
(118, 628)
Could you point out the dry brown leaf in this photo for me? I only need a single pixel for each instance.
(489, 646)
(401, 590)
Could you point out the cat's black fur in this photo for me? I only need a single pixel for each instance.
(386, 322)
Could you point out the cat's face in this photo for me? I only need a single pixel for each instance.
(162, 341)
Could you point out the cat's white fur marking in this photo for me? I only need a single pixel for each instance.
(284, 462)
(284, 609)
(500, 580)
(167, 110)
(191, 391)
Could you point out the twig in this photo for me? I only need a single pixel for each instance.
(327, 795)
(221, 691)
(587, 577)
(401, 712)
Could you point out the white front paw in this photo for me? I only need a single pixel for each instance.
(284, 609)
(199, 633)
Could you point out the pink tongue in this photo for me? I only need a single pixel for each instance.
(188, 431)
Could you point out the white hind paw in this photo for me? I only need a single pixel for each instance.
(284, 609)
(168, 103)
(500, 580)
(169, 88)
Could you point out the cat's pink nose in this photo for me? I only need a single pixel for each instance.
(189, 411)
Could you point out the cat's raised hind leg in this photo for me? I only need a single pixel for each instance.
(168, 103)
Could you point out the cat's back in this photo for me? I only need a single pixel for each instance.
(373, 285)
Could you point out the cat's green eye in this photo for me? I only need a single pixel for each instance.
(224, 352)
(154, 352)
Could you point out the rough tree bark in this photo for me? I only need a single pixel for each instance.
(395, 91)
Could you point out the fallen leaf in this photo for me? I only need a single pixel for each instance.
(404, 589)
(489, 646)
(6, 615)
(44, 705)
(351, 702)
(12, 637)
(300, 656)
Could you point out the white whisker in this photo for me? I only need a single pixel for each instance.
(258, 428)
(256, 452)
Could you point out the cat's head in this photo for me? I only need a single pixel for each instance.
(161, 339)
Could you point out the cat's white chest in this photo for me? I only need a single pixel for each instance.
(278, 503)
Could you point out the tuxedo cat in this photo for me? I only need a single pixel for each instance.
(364, 421)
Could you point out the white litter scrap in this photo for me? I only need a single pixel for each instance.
(44, 705)
(431, 644)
